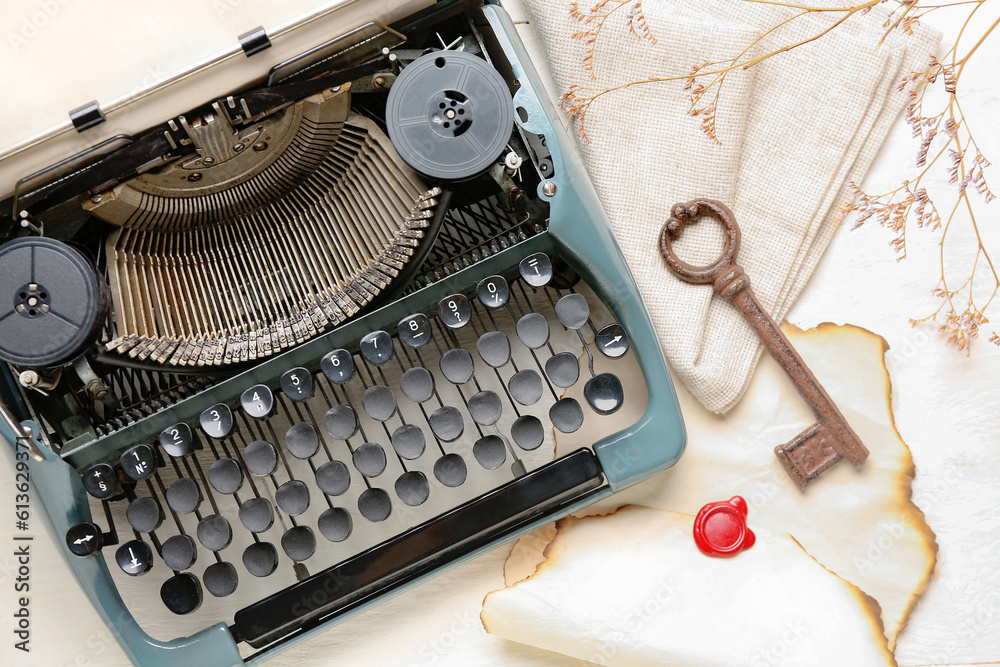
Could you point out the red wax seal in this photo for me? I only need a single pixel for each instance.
(720, 529)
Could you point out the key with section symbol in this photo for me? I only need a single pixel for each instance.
(831, 438)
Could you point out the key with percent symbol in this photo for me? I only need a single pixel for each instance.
(831, 438)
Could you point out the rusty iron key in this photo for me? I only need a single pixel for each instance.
(831, 438)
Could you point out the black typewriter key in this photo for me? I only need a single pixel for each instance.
(258, 401)
(412, 488)
(490, 452)
(533, 330)
(333, 478)
(341, 422)
(573, 311)
(100, 481)
(526, 387)
(260, 458)
(604, 393)
(457, 366)
(292, 497)
(179, 552)
(226, 476)
(536, 269)
(493, 292)
(177, 440)
(612, 341)
(144, 515)
(139, 462)
(217, 421)
(369, 459)
(450, 470)
(181, 593)
(415, 330)
(257, 515)
(299, 543)
(260, 559)
(494, 348)
(135, 558)
(83, 539)
(338, 366)
(214, 532)
(417, 384)
(379, 402)
(301, 440)
(183, 496)
(409, 441)
(221, 579)
(563, 369)
(374, 504)
(566, 415)
(335, 524)
(297, 384)
(447, 423)
(528, 432)
(455, 311)
(376, 347)
(486, 408)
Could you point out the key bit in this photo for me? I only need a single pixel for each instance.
(831, 438)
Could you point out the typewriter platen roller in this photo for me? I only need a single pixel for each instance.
(321, 338)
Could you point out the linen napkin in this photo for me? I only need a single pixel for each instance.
(792, 132)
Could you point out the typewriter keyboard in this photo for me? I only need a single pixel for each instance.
(325, 462)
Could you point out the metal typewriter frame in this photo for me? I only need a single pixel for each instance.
(577, 222)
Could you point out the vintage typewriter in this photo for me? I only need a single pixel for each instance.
(278, 354)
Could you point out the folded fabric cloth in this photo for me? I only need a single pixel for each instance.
(792, 132)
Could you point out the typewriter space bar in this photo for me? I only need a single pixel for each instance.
(417, 551)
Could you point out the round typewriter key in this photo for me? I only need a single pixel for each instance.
(457, 366)
(533, 330)
(256, 515)
(100, 481)
(333, 478)
(258, 401)
(376, 347)
(379, 402)
(299, 543)
(417, 384)
(221, 579)
(135, 558)
(450, 470)
(374, 504)
(301, 440)
(338, 366)
(297, 384)
(341, 422)
(563, 369)
(183, 497)
(412, 488)
(408, 441)
(335, 524)
(447, 423)
(178, 441)
(528, 432)
(226, 476)
(526, 387)
(415, 330)
(455, 311)
(485, 408)
(536, 269)
(144, 515)
(179, 553)
(214, 532)
(181, 593)
(292, 497)
(260, 458)
(493, 292)
(260, 559)
(369, 459)
(573, 311)
(490, 452)
(139, 462)
(83, 539)
(566, 415)
(612, 341)
(604, 393)
(217, 421)
(494, 348)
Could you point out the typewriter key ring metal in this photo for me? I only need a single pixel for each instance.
(831, 438)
